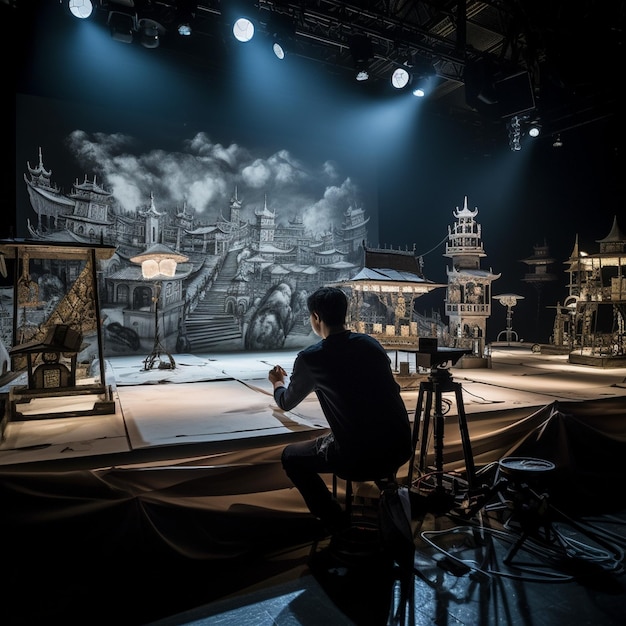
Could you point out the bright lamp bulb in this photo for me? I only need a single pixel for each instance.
(81, 9)
(149, 268)
(243, 29)
(279, 51)
(400, 78)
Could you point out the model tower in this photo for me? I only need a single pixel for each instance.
(541, 264)
(468, 298)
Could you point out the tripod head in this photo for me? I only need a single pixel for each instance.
(436, 358)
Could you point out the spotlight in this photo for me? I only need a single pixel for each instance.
(534, 130)
(361, 50)
(422, 86)
(149, 33)
(81, 9)
(423, 76)
(400, 78)
(122, 26)
(243, 29)
(283, 30)
(186, 15)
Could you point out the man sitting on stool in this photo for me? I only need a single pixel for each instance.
(351, 375)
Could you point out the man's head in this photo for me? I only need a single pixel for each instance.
(329, 305)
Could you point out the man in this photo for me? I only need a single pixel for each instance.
(351, 375)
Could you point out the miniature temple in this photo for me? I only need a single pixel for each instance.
(383, 294)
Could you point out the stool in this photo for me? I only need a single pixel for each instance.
(381, 483)
(362, 537)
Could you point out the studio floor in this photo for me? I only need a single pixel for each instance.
(174, 510)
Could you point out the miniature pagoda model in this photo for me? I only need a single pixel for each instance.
(383, 294)
(597, 302)
(541, 264)
(468, 300)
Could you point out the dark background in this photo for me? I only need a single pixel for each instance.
(426, 161)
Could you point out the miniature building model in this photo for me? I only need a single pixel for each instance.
(597, 302)
(55, 306)
(541, 264)
(383, 295)
(468, 301)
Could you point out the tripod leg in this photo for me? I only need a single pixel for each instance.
(415, 435)
(425, 429)
(438, 430)
(514, 548)
(465, 438)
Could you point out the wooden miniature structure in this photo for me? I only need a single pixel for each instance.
(468, 300)
(597, 302)
(383, 294)
(55, 308)
(541, 273)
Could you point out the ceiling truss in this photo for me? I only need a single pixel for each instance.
(451, 35)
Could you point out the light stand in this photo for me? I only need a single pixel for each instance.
(158, 349)
(509, 300)
(158, 262)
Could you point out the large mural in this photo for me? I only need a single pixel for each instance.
(259, 229)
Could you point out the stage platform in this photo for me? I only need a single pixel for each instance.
(175, 509)
(223, 401)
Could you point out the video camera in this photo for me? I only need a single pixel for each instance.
(430, 355)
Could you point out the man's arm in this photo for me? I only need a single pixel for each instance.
(300, 385)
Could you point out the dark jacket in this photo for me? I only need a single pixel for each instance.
(352, 377)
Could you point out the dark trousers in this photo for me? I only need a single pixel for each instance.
(303, 463)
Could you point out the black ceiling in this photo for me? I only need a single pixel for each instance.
(565, 55)
(558, 60)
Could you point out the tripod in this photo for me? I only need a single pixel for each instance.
(439, 382)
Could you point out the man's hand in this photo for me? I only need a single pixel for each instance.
(277, 375)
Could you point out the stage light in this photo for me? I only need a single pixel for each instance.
(534, 130)
(282, 29)
(422, 86)
(361, 50)
(81, 9)
(122, 26)
(186, 15)
(149, 33)
(400, 78)
(557, 143)
(422, 76)
(243, 29)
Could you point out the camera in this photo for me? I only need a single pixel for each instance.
(430, 355)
